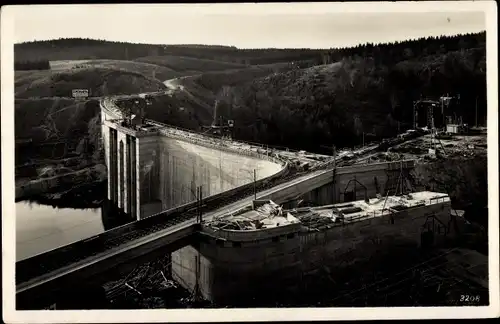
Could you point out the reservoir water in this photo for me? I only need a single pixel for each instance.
(40, 228)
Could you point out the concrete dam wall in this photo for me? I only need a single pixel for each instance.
(150, 171)
(170, 170)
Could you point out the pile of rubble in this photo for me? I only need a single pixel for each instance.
(465, 146)
(265, 216)
(426, 148)
(143, 281)
(237, 224)
(315, 220)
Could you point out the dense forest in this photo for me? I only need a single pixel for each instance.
(390, 53)
(81, 49)
(370, 89)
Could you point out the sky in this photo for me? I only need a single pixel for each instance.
(243, 26)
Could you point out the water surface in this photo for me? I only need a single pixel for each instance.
(40, 228)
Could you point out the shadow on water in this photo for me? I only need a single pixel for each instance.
(82, 196)
(112, 216)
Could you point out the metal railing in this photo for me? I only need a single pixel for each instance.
(249, 143)
(251, 235)
(220, 140)
(437, 200)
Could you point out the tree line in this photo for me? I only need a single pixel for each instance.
(387, 53)
(84, 48)
(393, 52)
(367, 95)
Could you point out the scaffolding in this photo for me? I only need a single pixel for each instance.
(398, 179)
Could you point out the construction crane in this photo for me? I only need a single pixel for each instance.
(435, 113)
(435, 109)
(134, 110)
(218, 128)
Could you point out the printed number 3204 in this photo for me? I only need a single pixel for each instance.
(469, 298)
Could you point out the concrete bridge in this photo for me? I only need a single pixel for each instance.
(153, 173)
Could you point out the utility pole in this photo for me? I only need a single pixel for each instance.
(197, 280)
(197, 204)
(200, 204)
(363, 139)
(401, 177)
(334, 174)
(254, 184)
(476, 111)
(415, 114)
(442, 106)
(334, 151)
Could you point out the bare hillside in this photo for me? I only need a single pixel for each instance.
(99, 81)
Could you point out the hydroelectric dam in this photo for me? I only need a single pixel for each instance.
(174, 183)
(153, 168)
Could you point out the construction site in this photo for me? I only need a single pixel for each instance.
(338, 248)
(332, 255)
(271, 253)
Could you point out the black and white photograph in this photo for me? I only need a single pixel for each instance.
(264, 161)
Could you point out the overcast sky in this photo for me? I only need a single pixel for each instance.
(244, 27)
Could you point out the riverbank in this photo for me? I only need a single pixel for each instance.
(87, 195)
(86, 187)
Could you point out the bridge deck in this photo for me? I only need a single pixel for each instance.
(34, 271)
(102, 261)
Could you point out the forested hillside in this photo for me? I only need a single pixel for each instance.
(368, 89)
(90, 49)
(294, 100)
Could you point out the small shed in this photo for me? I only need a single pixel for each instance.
(453, 128)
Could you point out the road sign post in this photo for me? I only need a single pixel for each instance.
(80, 94)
